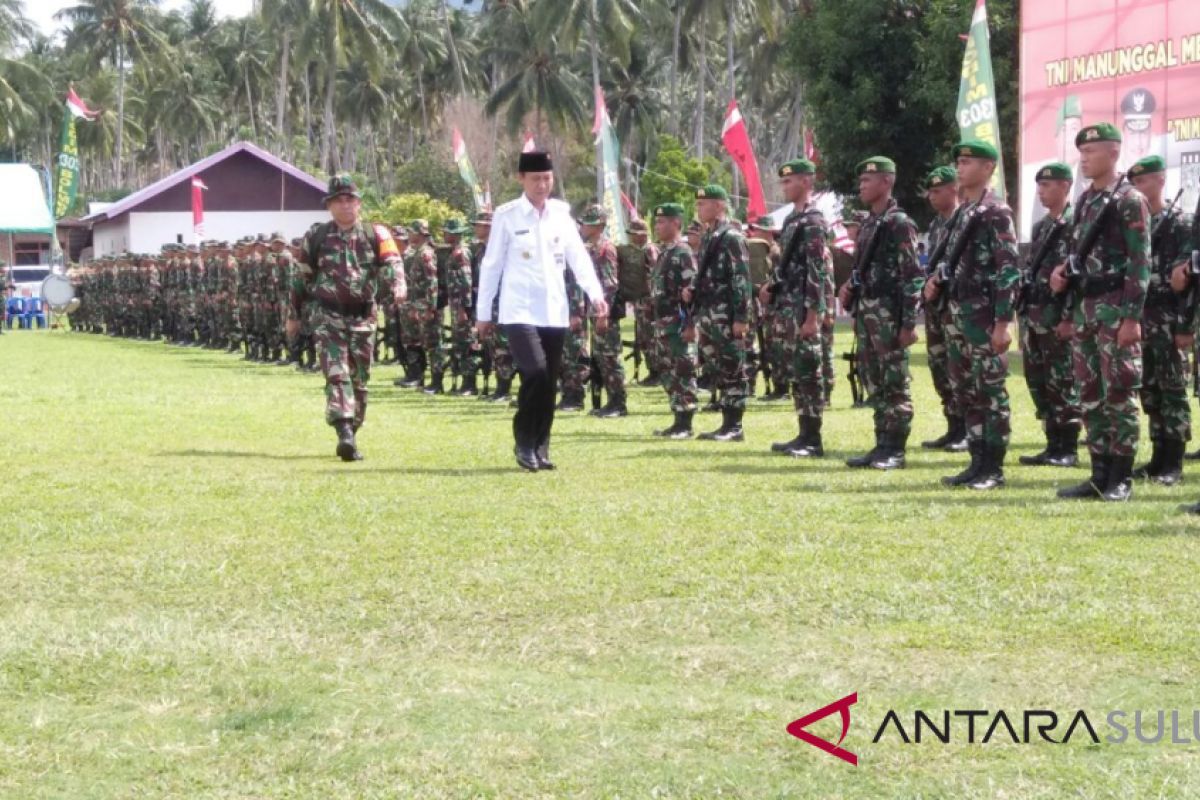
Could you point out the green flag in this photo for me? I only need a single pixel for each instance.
(467, 171)
(66, 168)
(977, 117)
(609, 155)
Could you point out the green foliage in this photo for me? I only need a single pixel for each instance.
(891, 87)
(401, 209)
(432, 172)
(673, 177)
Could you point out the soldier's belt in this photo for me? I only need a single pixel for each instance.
(880, 292)
(1161, 298)
(1040, 295)
(359, 309)
(1096, 285)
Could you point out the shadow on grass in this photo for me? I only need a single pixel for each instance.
(467, 472)
(241, 454)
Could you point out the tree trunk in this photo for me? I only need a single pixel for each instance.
(458, 73)
(674, 121)
(424, 111)
(330, 157)
(308, 118)
(118, 139)
(702, 56)
(250, 103)
(281, 100)
(595, 48)
(731, 19)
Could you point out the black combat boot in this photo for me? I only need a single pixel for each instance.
(991, 469)
(436, 383)
(683, 425)
(503, 391)
(1093, 487)
(791, 444)
(730, 430)
(713, 403)
(1119, 487)
(892, 457)
(810, 434)
(1066, 450)
(347, 448)
(954, 432)
(572, 400)
(1170, 471)
(314, 363)
(615, 408)
(971, 472)
(1052, 444)
(414, 369)
(470, 387)
(1151, 469)
(866, 458)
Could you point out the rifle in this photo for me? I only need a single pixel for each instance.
(636, 355)
(863, 259)
(852, 376)
(1029, 276)
(595, 381)
(764, 363)
(947, 268)
(702, 271)
(1077, 261)
(1194, 278)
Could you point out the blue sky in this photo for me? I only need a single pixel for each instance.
(42, 11)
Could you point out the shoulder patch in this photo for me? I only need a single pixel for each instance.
(387, 245)
(509, 206)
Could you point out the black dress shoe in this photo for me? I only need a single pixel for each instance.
(543, 458)
(526, 458)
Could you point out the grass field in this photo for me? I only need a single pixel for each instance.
(198, 600)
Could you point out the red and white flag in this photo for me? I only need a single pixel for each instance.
(198, 190)
(810, 146)
(530, 145)
(737, 143)
(78, 108)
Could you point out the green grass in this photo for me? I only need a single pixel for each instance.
(198, 600)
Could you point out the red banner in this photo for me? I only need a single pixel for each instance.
(198, 189)
(1134, 63)
(737, 143)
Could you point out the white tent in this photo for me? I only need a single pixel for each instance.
(23, 207)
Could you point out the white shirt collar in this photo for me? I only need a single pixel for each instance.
(528, 209)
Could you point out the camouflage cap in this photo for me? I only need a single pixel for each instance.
(594, 214)
(712, 191)
(419, 227)
(976, 148)
(638, 226)
(400, 232)
(941, 176)
(340, 185)
(1056, 171)
(1149, 165)
(673, 210)
(278, 236)
(798, 166)
(876, 165)
(455, 226)
(765, 223)
(1100, 132)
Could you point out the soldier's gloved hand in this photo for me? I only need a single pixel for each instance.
(740, 329)
(1179, 278)
(1129, 334)
(907, 337)
(1001, 338)
(1058, 279)
(1065, 330)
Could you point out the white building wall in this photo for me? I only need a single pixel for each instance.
(148, 232)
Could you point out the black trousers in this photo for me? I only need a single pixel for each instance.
(537, 353)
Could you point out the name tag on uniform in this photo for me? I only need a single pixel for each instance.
(521, 233)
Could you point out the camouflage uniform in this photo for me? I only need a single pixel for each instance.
(465, 350)
(888, 302)
(674, 271)
(496, 342)
(644, 323)
(348, 276)
(423, 312)
(606, 346)
(981, 293)
(723, 297)
(800, 292)
(938, 323)
(576, 362)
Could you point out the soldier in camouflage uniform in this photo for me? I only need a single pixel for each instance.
(1166, 329)
(606, 334)
(247, 278)
(721, 312)
(639, 237)
(423, 307)
(346, 266)
(706, 371)
(465, 348)
(885, 304)
(496, 341)
(229, 293)
(982, 293)
(1045, 354)
(278, 264)
(797, 292)
(576, 358)
(1106, 305)
(941, 190)
(674, 349)
(763, 247)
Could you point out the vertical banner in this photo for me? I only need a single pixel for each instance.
(609, 151)
(198, 189)
(467, 171)
(530, 145)
(66, 167)
(977, 117)
(737, 144)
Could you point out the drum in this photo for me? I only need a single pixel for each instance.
(57, 292)
(632, 274)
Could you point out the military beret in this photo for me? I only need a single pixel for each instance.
(798, 166)
(1148, 166)
(1100, 132)
(941, 176)
(638, 226)
(419, 227)
(594, 214)
(976, 148)
(483, 218)
(1057, 171)
(712, 191)
(672, 210)
(877, 164)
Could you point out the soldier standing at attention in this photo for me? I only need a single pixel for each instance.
(639, 237)
(982, 292)
(422, 275)
(344, 265)
(1166, 329)
(606, 334)
(797, 291)
(1109, 296)
(721, 308)
(885, 304)
(673, 272)
(762, 244)
(533, 241)
(464, 340)
(1045, 354)
(941, 190)
(496, 342)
